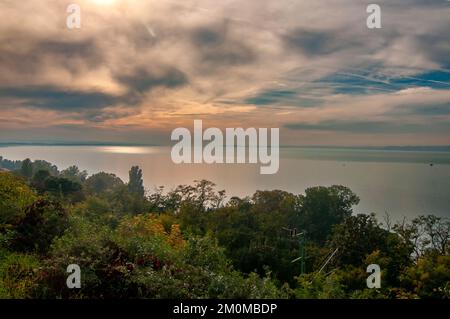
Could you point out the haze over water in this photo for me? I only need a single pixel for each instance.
(403, 183)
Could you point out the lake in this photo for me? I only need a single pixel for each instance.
(402, 183)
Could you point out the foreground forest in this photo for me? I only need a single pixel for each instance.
(195, 242)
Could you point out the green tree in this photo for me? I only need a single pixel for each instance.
(44, 165)
(362, 241)
(102, 182)
(15, 197)
(27, 168)
(9, 165)
(44, 220)
(74, 173)
(357, 237)
(136, 184)
(124, 202)
(321, 208)
(429, 278)
(64, 188)
(39, 180)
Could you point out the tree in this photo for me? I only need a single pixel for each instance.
(191, 243)
(323, 207)
(102, 182)
(136, 184)
(125, 202)
(39, 179)
(357, 237)
(362, 241)
(252, 231)
(429, 278)
(44, 165)
(74, 173)
(27, 169)
(437, 229)
(44, 220)
(61, 186)
(10, 165)
(425, 234)
(15, 197)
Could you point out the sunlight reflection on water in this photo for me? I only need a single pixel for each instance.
(128, 150)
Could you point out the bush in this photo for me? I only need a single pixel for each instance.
(430, 278)
(15, 197)
(18, 275)
(44, 220)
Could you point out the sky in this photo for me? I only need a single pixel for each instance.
(138, 69)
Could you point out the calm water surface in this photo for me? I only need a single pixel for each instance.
(402, 183)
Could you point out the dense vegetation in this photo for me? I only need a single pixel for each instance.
(193, 242)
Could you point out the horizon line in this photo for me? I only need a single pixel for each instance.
(124, 144)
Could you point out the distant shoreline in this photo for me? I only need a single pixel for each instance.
(444, 148)
(8, 144)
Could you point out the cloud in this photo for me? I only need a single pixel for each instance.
(371, 127)
(217, 47)
(56, 98)
(317, 42)
(70, 54)
(371, 81)
(287, 97)
(434, 110)
(142, 80)
(435, 45)
(149, 66)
